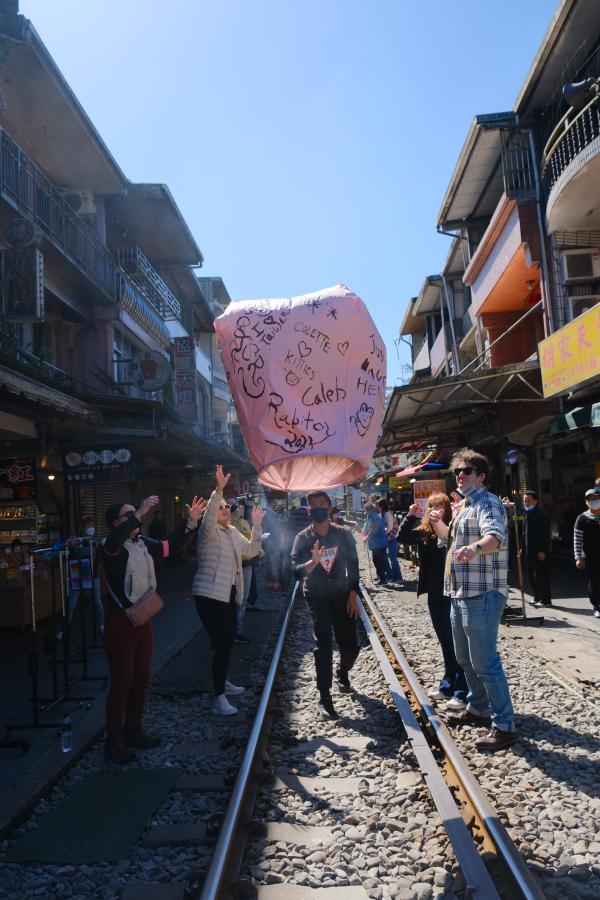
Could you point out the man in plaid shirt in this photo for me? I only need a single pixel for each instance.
(476, 581)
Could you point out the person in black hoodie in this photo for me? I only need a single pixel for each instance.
(432, 559)
(325, 560)
(536, 549)
(127, 561)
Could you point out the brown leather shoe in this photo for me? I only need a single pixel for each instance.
(496, 740)
(455, 720)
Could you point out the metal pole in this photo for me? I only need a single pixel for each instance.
(519, 565)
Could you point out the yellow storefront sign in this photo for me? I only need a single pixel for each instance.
(572, 354)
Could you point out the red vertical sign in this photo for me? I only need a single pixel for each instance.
(186, 395)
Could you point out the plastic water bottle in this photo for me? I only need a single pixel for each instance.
(66, 735)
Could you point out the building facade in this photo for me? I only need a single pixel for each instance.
(505, 341)
(110, 386)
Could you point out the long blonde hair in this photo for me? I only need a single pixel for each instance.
(426, 528)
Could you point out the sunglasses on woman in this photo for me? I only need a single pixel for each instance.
(225, 506)
(466, 470)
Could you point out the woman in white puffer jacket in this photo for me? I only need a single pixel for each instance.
(218, 585)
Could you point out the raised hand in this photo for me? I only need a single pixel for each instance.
(222, 479)
(197, 508)
(147, 505)
(415, 510)
(435, 515)
(257, 515)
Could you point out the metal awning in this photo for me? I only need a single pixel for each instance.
(42, 393)
(458, 407)
(579, 417)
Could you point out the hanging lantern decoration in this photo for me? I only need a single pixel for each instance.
(307, 376)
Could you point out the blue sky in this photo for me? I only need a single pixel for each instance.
(307, 142)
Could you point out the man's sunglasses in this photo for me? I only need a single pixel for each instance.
(466, 470)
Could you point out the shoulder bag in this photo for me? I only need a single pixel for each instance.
(144, 609)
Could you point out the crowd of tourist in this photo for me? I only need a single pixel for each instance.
(462, 545)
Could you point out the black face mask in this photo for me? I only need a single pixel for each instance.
(318, 514)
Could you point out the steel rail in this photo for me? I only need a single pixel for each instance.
(479, 884)
(508, 853)
(215, 876)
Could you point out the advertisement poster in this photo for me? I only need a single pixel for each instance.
(424, 489)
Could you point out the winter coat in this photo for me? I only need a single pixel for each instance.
(212, 578)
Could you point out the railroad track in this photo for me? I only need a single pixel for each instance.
(489, 862)
(361, 807)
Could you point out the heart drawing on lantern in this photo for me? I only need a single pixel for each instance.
(304, 349)
(343, 347)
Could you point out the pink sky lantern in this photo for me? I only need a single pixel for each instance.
(307, 377)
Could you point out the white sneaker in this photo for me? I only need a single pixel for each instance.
(222, 706)
(436, 694)
(455, 703)
(597, 613)
(233, 688)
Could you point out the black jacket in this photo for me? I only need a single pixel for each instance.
(343, 576)
(536, 532)
(432, 558)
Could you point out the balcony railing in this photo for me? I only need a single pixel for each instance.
(26, 187)
(14, 355)
(149, 283)
(572, 135)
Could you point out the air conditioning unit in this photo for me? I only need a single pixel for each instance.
(581, 304)
(580, 265)
(82, 202)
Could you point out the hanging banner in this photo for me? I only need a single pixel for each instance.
(186, 395)
(17, 479)
(23, 285)
(307, 376)
(424, 489)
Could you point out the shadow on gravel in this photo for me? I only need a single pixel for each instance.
(380, 723)
(533, 614)
(580, 772)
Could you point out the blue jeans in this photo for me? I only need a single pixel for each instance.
(453, 684)
(475, 622)
(393, 564)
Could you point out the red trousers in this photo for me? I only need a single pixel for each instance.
(129, 654)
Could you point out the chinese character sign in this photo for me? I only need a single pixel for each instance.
(572, 354)
(17, 479)
(186, 398)
(307, 376)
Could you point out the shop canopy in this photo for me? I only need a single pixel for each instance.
(423, 467)
(32, 390)
(460, 409)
